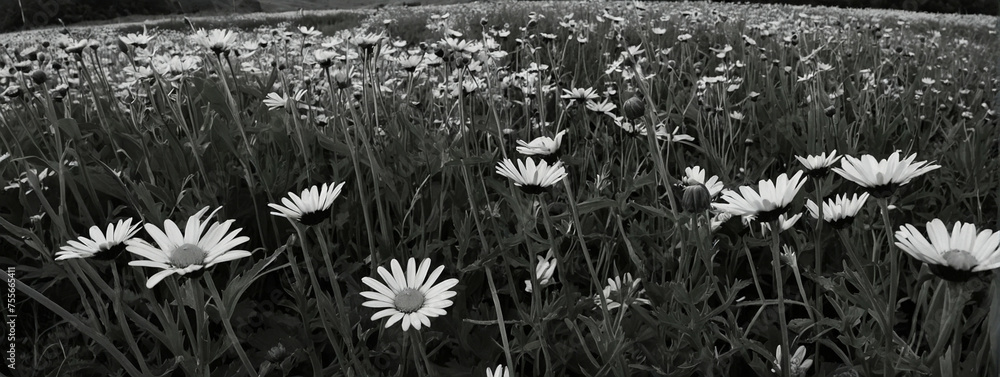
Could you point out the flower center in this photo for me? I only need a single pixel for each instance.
(186, 255)
(960, 260)
(409, 300)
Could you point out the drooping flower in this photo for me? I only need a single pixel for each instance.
(530, 177)
(411, 297)
(767, 203)
(840, 211)
(501, 371)
(544, 270)
(191, 251)
(622, 292)
(956, 256)
(310, 208)
(101, 246)
(797, 365)
(882, 178)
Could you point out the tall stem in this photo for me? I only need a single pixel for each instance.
(779, 286)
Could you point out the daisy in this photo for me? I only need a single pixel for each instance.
(501, 371)
(101, 246)
(955, 256)
(137, 40)
(784, 223)
(544, 270)
(696, 174)
(882, 178)
(311, 208)
(818, 166)
(532, 178)
(543, 145)
(621, 290)
(605, 107)
(309, 31)
(580, 94)
(840, 211)
(411, 296)
(797, 365)
(219, 41)
(191, 251)
(767, 203)
(274, 101)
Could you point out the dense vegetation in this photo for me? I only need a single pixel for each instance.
(653, 119)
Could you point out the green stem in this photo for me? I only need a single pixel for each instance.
(779, 286)
(224, 313)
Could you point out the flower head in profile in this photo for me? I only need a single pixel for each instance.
(501, 371)
(542, 145)
(784, 223)
(137, 40)
(411, 296)
(309, 31)
(101, 246)
(190, 251)
(580, 95)
(310, 208)
(275, 101)
(530, 177)
(217, 40)
(544, 270)
(882, 178)
(818, 166)
(839, 211)
(956, 256)
(798, 364)
(622, 292)
(767, 203)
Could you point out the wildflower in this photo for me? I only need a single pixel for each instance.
(275, 101)
(622, 292)
(798, 365)
(101, 246)
(501, 371)
(767, 205)
(953, 257)
(784, 223)
(309, 31)
(367, 41)
(411, 296)
(542, 145)
(137, 40)
(840, 211)
(634, 107)
(882, 178)
(544, 270)
(312, 207)
(532, 178)
(580, 94)
(191, 251)
(696, 174)
(217, 40)
(818, 166)
(605, 107)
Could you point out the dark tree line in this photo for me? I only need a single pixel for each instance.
(988, 7)
(26, 14)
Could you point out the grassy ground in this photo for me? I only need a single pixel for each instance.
(640, 263)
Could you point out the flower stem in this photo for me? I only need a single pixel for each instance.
(779, 286)
(224, 313)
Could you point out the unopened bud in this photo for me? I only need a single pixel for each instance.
(634, 108)
(39, 76)
(696, 198)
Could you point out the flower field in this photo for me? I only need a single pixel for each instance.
(508, 189)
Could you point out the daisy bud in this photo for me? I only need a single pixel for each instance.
(634, 108)
(696, 198)
(38, 76)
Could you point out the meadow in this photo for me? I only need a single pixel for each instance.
(504, 189)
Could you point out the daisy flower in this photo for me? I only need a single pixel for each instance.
(882, 178)
(797, 365)
(955, 256)
(191, 251)
(544, 270)
(840, 211)
(137, 40)
(501, 371)
(101, 246)
(605, 107)
(580, 94)
(696, 174)
(767, 203)
(274, 101)
(217, 40)
(309, 31)
(818, 166)
(543, 145)
(784, 223)
(410, 297)
(532, 178)
(621, 290)
(310, 208)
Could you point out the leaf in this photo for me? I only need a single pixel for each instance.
(231, 295)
